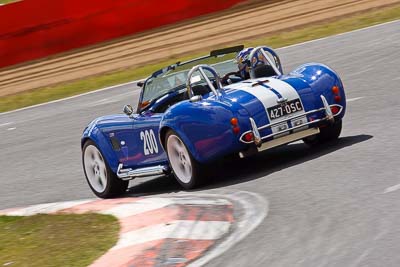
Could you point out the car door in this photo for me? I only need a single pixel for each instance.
(140, 145)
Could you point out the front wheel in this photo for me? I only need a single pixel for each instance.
(103, 182)
(186, 169)
(329, 133)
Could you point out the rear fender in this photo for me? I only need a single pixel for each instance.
(321, 79)
(204, 127)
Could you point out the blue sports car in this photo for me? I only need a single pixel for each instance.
(192, 113)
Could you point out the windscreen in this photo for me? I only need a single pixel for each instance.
(175, 79)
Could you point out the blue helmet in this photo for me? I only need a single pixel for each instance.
(243, 61)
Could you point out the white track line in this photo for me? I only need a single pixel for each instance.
(150, 204)
(115, 99)
(392, 189)
(71, 97)
(179, 229)
(354, 99)
(144, 205)
(133, 82)
(359, 72)
(5, 124)
(190, 201)
(254, 208)
(341, 34)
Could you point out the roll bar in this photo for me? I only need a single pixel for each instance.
(201, 68)
(274, 61)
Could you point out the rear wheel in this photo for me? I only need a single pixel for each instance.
(103, 182)
(186, 169)
(329, 133)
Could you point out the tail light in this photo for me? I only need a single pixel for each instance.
(248, 137)
(234, 121)
(335, 109)
(336, 92)
(235, 125)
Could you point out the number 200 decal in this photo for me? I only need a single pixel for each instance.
(149, 142)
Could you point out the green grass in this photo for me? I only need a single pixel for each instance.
(307, 33)
(7, 1)
(56, 240)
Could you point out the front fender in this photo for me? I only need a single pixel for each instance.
(92, 132)
(204, 127)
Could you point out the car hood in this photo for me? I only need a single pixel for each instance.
(111, 121)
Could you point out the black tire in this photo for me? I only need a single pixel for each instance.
(196, 175)
(327, 134)
(114, 185)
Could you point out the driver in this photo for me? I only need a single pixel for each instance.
(243, 61)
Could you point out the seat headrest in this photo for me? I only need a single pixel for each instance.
(200, 89)
(264, 71)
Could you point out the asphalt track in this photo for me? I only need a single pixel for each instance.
(332, 206)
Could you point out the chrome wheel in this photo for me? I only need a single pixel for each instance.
(95, 168)
(179, 159)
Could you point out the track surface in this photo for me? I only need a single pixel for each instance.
(333, 206)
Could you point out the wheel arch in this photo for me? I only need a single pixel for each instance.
(321, 79)
(182, 135)
(98, 138)
(163, 133)
(84, 140)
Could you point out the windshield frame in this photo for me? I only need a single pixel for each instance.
(172, 67)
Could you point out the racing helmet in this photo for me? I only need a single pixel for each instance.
(244, 64)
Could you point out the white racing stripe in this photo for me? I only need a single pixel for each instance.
(287, 91)
(179, 229)
(265, 96)
(269, 98)
(283, 88)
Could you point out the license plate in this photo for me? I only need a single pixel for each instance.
(287, 108)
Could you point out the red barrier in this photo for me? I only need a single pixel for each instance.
(32, 29)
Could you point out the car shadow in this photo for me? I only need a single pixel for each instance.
(225, 173)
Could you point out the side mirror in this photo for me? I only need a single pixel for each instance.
(128, 110)
(140, 83)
